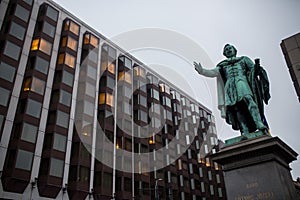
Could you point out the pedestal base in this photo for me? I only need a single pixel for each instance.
(257, 168)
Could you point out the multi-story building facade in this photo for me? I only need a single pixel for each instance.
(82, 119)
(291, 51)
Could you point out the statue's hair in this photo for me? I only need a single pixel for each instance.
(235, 50)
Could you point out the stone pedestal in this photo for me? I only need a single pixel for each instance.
(257, 168)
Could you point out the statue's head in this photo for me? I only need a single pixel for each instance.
(229, 51)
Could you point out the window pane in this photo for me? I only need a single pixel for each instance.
(65, 98)
(91, 72)
(7, 72)
(88, 108)
(62, 119)
(24, 160)
(70, 60)
(4, 96)
(93, 55)
(110, 82)
(72, 44)
(22, 13)
(59, 142)
(33, 108)
(38, 85)
(29, 132)
(49, 29)
(53, 14)
(11, 50)
(45, 46)
(35, 44)
(68, 78)
(90, 90)
(41, 65)
(74, 28)
(17, 31)
(56, 167)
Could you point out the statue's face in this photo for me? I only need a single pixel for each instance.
(229, 51)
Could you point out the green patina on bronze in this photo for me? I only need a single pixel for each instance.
(244, 137)
(243, 89)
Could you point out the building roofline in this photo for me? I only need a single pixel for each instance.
(136, 60)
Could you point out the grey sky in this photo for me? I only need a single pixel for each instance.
(255, 27)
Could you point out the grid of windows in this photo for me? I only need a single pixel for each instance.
(157, 93)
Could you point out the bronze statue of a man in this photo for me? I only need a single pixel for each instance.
(242, 88)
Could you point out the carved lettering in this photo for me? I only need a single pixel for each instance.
(252, 185)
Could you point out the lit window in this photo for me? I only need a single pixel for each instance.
(69, 42)
(65, 58)
(70, 60)
(109, 99)
(45, 46)
(29, 132)
(56, 167)
(42, 45)
(125, 76)
(90, 39)
(27, 84)
(111, 68)
(106, 98)
(34, 84)
(24, 159)
(71, 26)
(138, 71)
(35, 44)
(102, 98)
(7, 72)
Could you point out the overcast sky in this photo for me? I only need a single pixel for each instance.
(255, 27)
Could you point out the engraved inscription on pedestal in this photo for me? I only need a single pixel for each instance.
(258, 169)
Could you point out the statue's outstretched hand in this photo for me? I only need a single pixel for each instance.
(198, 67)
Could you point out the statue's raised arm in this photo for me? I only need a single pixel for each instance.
(244, 85)
(206, 72)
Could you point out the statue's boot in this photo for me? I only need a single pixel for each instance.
(257, 119)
